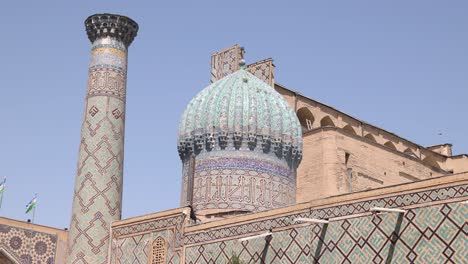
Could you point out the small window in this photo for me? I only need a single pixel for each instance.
(347, 158)
(158, 251)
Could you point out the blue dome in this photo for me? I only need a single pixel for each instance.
(240, 111)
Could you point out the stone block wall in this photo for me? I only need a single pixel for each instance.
(336, 162)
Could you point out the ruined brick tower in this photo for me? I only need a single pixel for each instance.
(97, 200)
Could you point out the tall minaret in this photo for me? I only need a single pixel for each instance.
(97, 200)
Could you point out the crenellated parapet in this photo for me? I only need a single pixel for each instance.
(207, 142)
(119, 27)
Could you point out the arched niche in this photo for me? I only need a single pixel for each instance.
(326, 121)
(6, 258)
(390, 145)
(410, 152)
(349, 129)
(306, 118)
(370, 137)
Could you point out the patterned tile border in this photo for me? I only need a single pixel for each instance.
(434, 195)
(176, 222)
(435, 233)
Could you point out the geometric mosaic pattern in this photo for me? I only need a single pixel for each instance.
(225, 62)
(433, 234)
(264, 70)
(395, 201)
(138, 248)
(27, 246)
(97, 200)
(175, 222)
(426, 234)
(248, 182)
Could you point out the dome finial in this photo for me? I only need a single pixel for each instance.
(242, 64)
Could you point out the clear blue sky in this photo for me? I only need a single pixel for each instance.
(400, 65)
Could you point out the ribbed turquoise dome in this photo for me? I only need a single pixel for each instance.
(240, 111)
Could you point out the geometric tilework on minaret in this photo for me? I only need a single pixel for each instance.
(97, 200)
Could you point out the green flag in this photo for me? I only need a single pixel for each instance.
(31, 205)
(2, 185)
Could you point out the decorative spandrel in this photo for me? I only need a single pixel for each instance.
(264, 70)
(226, 62)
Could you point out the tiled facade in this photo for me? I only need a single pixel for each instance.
(432, 234)
(132, 240)
(433, 230)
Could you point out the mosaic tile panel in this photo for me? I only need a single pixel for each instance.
(137, 249)
(28, 246)
(132, 244)
(242, 182)
(432, 234)
(97, 200)
(289, 246)
(395, 201)
(225, 62)
(175, 222)
(264, 70)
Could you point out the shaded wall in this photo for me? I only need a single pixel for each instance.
(336, 162)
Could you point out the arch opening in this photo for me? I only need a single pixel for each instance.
(410, 152)
(349, 129)
(370, 137)
(306, 118)
(326, 121)
(390, 145)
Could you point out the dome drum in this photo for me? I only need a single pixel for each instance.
(227, 181)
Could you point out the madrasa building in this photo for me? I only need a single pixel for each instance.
(269, 176)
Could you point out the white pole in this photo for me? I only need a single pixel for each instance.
(311, 220)
(253, 237)
(3, 192)
(34, 213)
(388, 210)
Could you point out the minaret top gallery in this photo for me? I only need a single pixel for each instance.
(97, 200)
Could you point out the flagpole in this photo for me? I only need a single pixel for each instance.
(34, 213)
(3, 192)
(34, 208)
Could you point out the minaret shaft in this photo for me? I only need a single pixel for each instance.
(97, 200)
